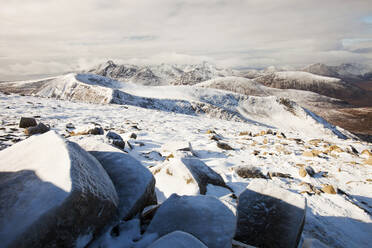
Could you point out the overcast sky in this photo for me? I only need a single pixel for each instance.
(54, 36)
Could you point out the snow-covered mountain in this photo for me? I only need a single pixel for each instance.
(181, 99)
(343, 71)
(328, 86)
(161, 74)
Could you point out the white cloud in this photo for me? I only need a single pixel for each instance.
(45, 36)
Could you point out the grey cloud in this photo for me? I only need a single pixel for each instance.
(42, 36)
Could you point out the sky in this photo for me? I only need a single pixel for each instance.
(46, 37)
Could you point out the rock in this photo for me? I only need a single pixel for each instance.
(119, 143)
(313, 243)
(115, 139)
(315, 142)
(312, 153)
(269, 216)
(53, 198)
(70, 125)
(355, 151)
(224, 146)
(310, 171)
(187, 175)
(39, 129)
(366, 153)
(133, 136)
(113, 136)
(96, 131)
(302, 172)
(27, 122)
(205, 217)
(335, 148)
(215, 137)
(245, 133)
(329, 189)
(246, 172)
(278, 174)
(134, 183)
(177, 239)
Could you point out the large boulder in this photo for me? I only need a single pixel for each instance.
(269, 216)
(185, 175)
(53, 194)
(177, 239)
(134, 183)
(205, 217)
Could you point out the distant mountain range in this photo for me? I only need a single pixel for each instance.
(163, 74)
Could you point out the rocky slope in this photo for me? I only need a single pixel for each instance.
(216, 172)
(332, 87)
(348, 71)
(162, 74)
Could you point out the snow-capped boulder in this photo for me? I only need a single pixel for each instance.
(269, 216)
(185, 175)
(134, 183)
(205, 217)
(53, 194)
(177, 239)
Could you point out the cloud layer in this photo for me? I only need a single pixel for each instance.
(52, 36)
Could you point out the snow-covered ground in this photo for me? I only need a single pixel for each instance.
(339, 220)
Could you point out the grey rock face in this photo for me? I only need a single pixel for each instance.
(54, 198)
(269, 216)
(134, 183)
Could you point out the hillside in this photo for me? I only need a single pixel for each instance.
(179, 99)
(332, 174)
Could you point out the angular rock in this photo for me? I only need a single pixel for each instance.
(177, 239)
(269, 216)
(54, 197)
(187, 175)
(40, 128)
(134, 183)
(302, 172)
(205, 217)
(249, 172)
(133, 136)
(27, 122)
(119, 143)
(329, 189)
(113, 136)
(96, 131)
(224, 146)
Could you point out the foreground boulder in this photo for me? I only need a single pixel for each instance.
(134, 183)
(205, 217)
(269, 216)
(177, 239)
(53, 194)
(185, 175)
